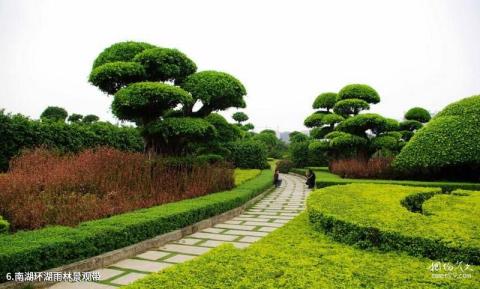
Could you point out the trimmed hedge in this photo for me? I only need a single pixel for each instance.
(297, 257)
(19, 132)
(327, 179)
(248, 154)
(54, 246)
(369, 215)
(446, 147)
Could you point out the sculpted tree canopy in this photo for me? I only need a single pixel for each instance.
(159, 89)
(54, 113)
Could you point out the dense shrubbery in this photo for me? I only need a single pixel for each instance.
(54, 246)
(248, 154)
(19, 132)
(371, 215)
(284, 166)
(378, 167)
(446, 147)
(44, 188)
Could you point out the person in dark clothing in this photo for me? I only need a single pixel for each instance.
(311, 179)
(276, 179)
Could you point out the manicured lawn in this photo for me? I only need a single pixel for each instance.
(243, 175)
(372, 215)
(296, 256)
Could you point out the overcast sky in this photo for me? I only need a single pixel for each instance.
(414, 53)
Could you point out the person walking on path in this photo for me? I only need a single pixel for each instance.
(276, 178)
(311, 179)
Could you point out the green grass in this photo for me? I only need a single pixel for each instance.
(295, 256)
(325, 179)
(243, 175)
(372, 215)
(57, 245)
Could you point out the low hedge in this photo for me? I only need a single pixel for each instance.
(369, 215)
(4, 225)
(296, 256)
(445, 186)
(326, 179)
(54, 246)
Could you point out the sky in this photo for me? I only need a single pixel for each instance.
(413, 52)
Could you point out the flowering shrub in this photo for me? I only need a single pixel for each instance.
(45, 188)
(379, 167)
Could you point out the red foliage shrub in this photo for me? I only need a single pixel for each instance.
(45, 188)
(378, 167)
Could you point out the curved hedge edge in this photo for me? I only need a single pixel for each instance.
(414, 202)
(372, 237)
(445, 186)
(50, 247)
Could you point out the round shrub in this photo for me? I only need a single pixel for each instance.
(122, 51)
(90, 118)
(297, 136)
(240, 117)
(359, 91)
(325, 100)
(248, 154)
(446, 147)
(165, 64)
(54, 113)
(147, 100)
(359, 124)
(216, 90)
(350, 106)
(75, 117)
(410, 125)
(418, 114)
(189, 127)
(112, 76)
(284, 166)
(315, 119)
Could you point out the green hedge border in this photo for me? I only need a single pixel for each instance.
(50, 247)
(336, 180)
(373, 237)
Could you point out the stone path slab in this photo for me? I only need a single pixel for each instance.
(270, 213)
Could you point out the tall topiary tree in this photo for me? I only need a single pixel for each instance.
(345, 132)
(54, 113)
(158, 89)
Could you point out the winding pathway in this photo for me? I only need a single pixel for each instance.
(270, 213)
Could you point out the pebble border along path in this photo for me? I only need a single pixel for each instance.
(272, 212)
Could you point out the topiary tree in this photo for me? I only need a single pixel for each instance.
(419, 114)
(345, 132)
(90, 118)
(158, 88)
(239, 117)
(75, 117)
(275, 147)
(296, 136)
(414, 119)
(447, 146)
(54, 113)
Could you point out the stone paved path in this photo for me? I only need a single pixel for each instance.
(272, 212)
